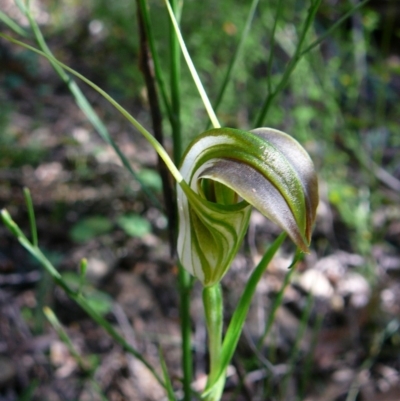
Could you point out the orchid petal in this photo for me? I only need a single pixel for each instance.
(267, 169)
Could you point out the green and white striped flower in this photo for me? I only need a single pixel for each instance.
(226, 171)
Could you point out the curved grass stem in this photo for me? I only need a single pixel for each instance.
(195, 75)
(78, 297)
(236, 56)
(84, 104)
(291, 66)
(156, 145)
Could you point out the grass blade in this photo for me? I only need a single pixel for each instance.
(31, 213)
(236, 55)
(77, 297)
(175, 65)
(272, 44)
(12, 24)
(236, 324)
(156, 145)
(195, 75)
(291, 66)
(276, 304)
(294, 356)
(333, 27)
(167, 379)
(156, 61)
(84, 104)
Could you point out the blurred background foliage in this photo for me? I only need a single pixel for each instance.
(342, 103)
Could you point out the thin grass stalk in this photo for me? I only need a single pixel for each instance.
(96, 387)
(272, 44)
(277, 303)
(167, 379)
(333, 27)
(185, 281)
(306, 372)
(299, 54)
(82, 274)
(153, 142)
(29, 392)
(64, 337)
(83, 103)
(146, 62)
(175, 66)
(392, 327)
(185, 288)
(192, 69)
(291, 66)
(235, 57)
(296, 346)
(12, 24)
(74, 295)
(31, 214)
(144, 10)
(84, 365)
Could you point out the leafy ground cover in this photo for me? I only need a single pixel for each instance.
(335, 336)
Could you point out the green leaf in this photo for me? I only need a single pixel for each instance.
(89, 228)
(100, 302)
(134, 225)
(151, 179)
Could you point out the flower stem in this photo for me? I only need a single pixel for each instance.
(213, 310)
(185, 286)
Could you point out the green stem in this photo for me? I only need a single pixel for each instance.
(83, 103)
(236, 324)
(12, 24)
(333, 27)
(76, 296)
(153, 142)
(294, 357)
(185, 286)
(192, 69)
(63, 335)
(185, 281)
(146, 63)
(213, 310)
(272, 43)
(291, 66)
(278, 302)
(156, 61)
(31, 213)
(175, 85)
(235, 57)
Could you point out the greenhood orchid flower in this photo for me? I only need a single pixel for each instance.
(226, 171)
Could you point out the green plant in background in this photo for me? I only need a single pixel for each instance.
(223, 173)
